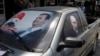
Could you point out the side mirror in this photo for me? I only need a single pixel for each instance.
(73, 42)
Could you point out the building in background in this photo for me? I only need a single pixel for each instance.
(7, 7)
(2, 8)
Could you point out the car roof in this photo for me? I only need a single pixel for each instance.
(53, 8)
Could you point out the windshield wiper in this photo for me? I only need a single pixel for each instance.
(5, 48)
(22, 41)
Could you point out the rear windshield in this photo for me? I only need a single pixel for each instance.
(26, 29)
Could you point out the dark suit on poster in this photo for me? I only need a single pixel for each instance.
(70, 33)
(31, 38)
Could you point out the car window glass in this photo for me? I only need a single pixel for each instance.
(72, 25)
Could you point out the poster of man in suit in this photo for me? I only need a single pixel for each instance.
(28, 23)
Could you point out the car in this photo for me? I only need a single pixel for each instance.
(49, 31)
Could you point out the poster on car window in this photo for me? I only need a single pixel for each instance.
(26, 28)
(27, 21)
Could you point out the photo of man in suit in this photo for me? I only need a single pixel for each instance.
(74, 23)
(37, 24)
(33, 33)
(72, 28)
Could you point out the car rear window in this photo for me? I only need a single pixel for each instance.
(26, 29)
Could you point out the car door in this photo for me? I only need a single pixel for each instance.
(88, 35)
(72, 28)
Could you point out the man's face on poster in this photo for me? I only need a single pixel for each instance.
(39, 21)
(74, 22)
